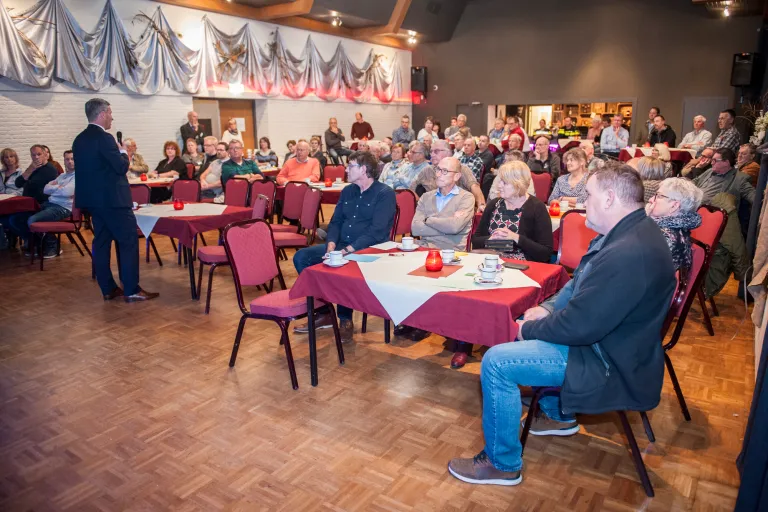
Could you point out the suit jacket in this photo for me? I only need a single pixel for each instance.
(101, 171)
(187, 132)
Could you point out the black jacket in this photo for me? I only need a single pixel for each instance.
(610, 315)
(40, 177)
(487, 157)
(101, 168)
(667, 135)
(321, 158)
(187, 132)
(535, 230)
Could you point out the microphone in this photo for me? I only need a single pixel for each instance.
(120, 138)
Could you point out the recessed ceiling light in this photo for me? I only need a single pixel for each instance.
(336, 21)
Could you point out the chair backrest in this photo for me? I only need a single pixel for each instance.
(294, 199)
(190, 171)
(713, 221)
(260, 207)
(250, 248)
(392, 232)
(574, 238)
(186, 190)
(236, 193)
(691, 283)
(331, 172)
(77, 217)
(542, 182)
(266, 188)
(406, 201)
(475, 222)
(310, 211)
(140, 194)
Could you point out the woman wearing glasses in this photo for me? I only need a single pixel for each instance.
(673, 208)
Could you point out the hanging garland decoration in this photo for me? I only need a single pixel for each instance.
(229, 59)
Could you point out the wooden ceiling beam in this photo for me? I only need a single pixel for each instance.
(267, 13)
(393, 25)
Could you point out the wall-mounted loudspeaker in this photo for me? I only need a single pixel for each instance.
(419, 79)
(746, 69)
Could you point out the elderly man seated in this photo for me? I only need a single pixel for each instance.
(210, 180)
(542, 160)
(427, 179)
(698, 166)
(300, 168)
(237, 167)
(614, 138)
(745, 162)
(404, 175)
(699, 138)
(593, 162)
(136, 164)
(470, 158)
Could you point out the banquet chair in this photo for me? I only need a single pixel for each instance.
(70, 228)
(251, 250)
(575, 237)
(187, 191)
(293, 201)
(236, 193)
(216, 256)
(307, 229)
(331, 172)
(542, 183)
(406, 202)
(268, 189)
(140, 194)
(392, 233)
(190, 171)
(678, 300)
(475, 223)
(713, 222)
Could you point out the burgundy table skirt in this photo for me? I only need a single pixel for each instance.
(484, 317)
(675, 156)
(186, 228)
(18, 204)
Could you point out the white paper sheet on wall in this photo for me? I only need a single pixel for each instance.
(240, 123)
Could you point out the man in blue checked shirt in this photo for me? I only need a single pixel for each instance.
(614, 138)
(363, 217)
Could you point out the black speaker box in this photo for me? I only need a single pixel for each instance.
(419, 79)
(746, 69)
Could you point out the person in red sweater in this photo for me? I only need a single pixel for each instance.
(301, 167)
(361, 130)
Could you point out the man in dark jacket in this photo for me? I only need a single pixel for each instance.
(661, 133)
(191, 130)
(598, 338)
(103, 190)
(39, 173)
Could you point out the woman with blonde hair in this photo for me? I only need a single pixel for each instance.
(231, 133)
(661, 151)
(651, 171)
(9, 171)
(595, 129)
(572, 187)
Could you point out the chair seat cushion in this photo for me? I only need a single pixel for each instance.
(212, 254)
(290, 240)
(284, 228)
(279, 304)
(52, 227)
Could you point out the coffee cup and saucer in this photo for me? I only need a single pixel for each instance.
(407, 244)
(489, 271)
(449, 257)
(335, 259)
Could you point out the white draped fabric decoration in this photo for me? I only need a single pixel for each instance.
(46, 43)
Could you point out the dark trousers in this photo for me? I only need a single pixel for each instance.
(118, 225)
(313, 255)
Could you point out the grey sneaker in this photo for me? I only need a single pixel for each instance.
(480, 470)
(53, 254)
(543, 426)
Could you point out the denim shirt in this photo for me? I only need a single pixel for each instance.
(362, 219)
(402, 135)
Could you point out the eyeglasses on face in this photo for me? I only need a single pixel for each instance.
(444, 171)
(657, 195)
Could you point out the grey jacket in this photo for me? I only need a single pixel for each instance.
(733, 182)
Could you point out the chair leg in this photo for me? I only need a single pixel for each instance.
(178, 252)
(202, 239)
(288, 354)
(705, 312)
(210, 287)
(200, 278)
(336, 333)
(676, 385)
(238, 336)
(73, 242)
(154, 249)
(647, 426)
(364, 327)
(32, 245)
(280, 278)
(173, 244)
(85, 245)
(40, 250)
(146, 249)
(636, 457)
(532, 411)
(715, 312)
(386, 330)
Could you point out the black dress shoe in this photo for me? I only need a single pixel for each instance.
(117, 292)
(402, 330)
(419, 334)
(141, 296)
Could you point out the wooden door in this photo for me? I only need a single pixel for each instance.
(239, 109)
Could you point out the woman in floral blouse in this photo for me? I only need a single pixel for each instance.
(393, 173)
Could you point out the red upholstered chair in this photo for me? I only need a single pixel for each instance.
(713, 221)
(475, 222)
(305, 235)
(268, 189)
(70, 228)
(186, 190)
(542, 184)
(406, 202)
(331, 172)
(190, 171)
(140, 194)
(215, 255)
(574, 239)
(251, 251)
(236, 193)
(294, 199)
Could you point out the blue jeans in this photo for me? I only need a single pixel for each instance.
(313, 255)
(334, 153)
(504, 368)
(49, 212)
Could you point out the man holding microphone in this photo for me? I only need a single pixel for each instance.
(103, 190)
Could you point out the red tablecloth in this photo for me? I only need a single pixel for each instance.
(675, 156)
(18, 204)
(185, 228)
(484, 317)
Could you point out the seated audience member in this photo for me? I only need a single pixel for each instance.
(316, 151)
(595, 129)
(300, 168)
(606, 120)
(699, 138)
(60, 194)
(403, 134)
(210, 179)
(514, 143)
(661, 133)
(9, 169)
(427, 179)
(407, 172)
(361, 130)
(542, 160)
(172, 166)
(458, 145)
(364, 146)
(513, 128)
(593, 337)
(136, 164)
(231, 133)
(291, 145)
(428, 139)
(333, 139)
(374, 147)
(542, 129)
(673, 207)
(723, 177)
(429, 122)
(209, 156)
(392, 174)
(191, 156)
(554, 131)
(615, 138)
(645, 128)
(363, 217)
(265, 156)
(728, 137)
(470, 158)
(437, 130)
(386, 150)
(651, 171)
(35, 177)
(592, 161)
(661, 151)
(498, 130)
(745, 162)
(697, 166)
(569, 130)
(192, 130)
(444, 216)
(493, 189)
(239, 168)
(56, 165)
(572, 187)
(484, 153)
(451, 130)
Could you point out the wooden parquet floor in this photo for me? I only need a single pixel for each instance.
(113, 406)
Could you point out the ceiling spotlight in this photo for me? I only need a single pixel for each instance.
(336, 21)
(412, 33)
(726, 12)
(412, 40)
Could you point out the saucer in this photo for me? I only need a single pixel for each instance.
(400, 246)
(499, 268)
(496, 281)
(328, 262)
(454, 261)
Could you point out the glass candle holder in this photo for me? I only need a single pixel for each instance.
(178, 205)
(434, 261)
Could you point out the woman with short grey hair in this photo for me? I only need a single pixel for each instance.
(673, 208)
(651, 171)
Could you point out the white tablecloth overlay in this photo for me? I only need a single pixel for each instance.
(137, 181)
(401, 294)
(6, 196)
(147, 217)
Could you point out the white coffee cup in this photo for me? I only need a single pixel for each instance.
(135, 205)
(488, 273)
(335, 257)
(338, 180)
(447, 255)
(579, 206)
(564, 205)
(407, 242)
(491, 262)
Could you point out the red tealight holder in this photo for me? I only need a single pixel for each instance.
(328, 183)
(434, 261)
(554, 209)
(666, 144)
(647, 145)
(143, 177)
(178, 205)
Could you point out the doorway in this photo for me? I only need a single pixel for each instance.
(242, 111)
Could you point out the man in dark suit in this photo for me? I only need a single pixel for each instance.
(192, 130)
(102, 189)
